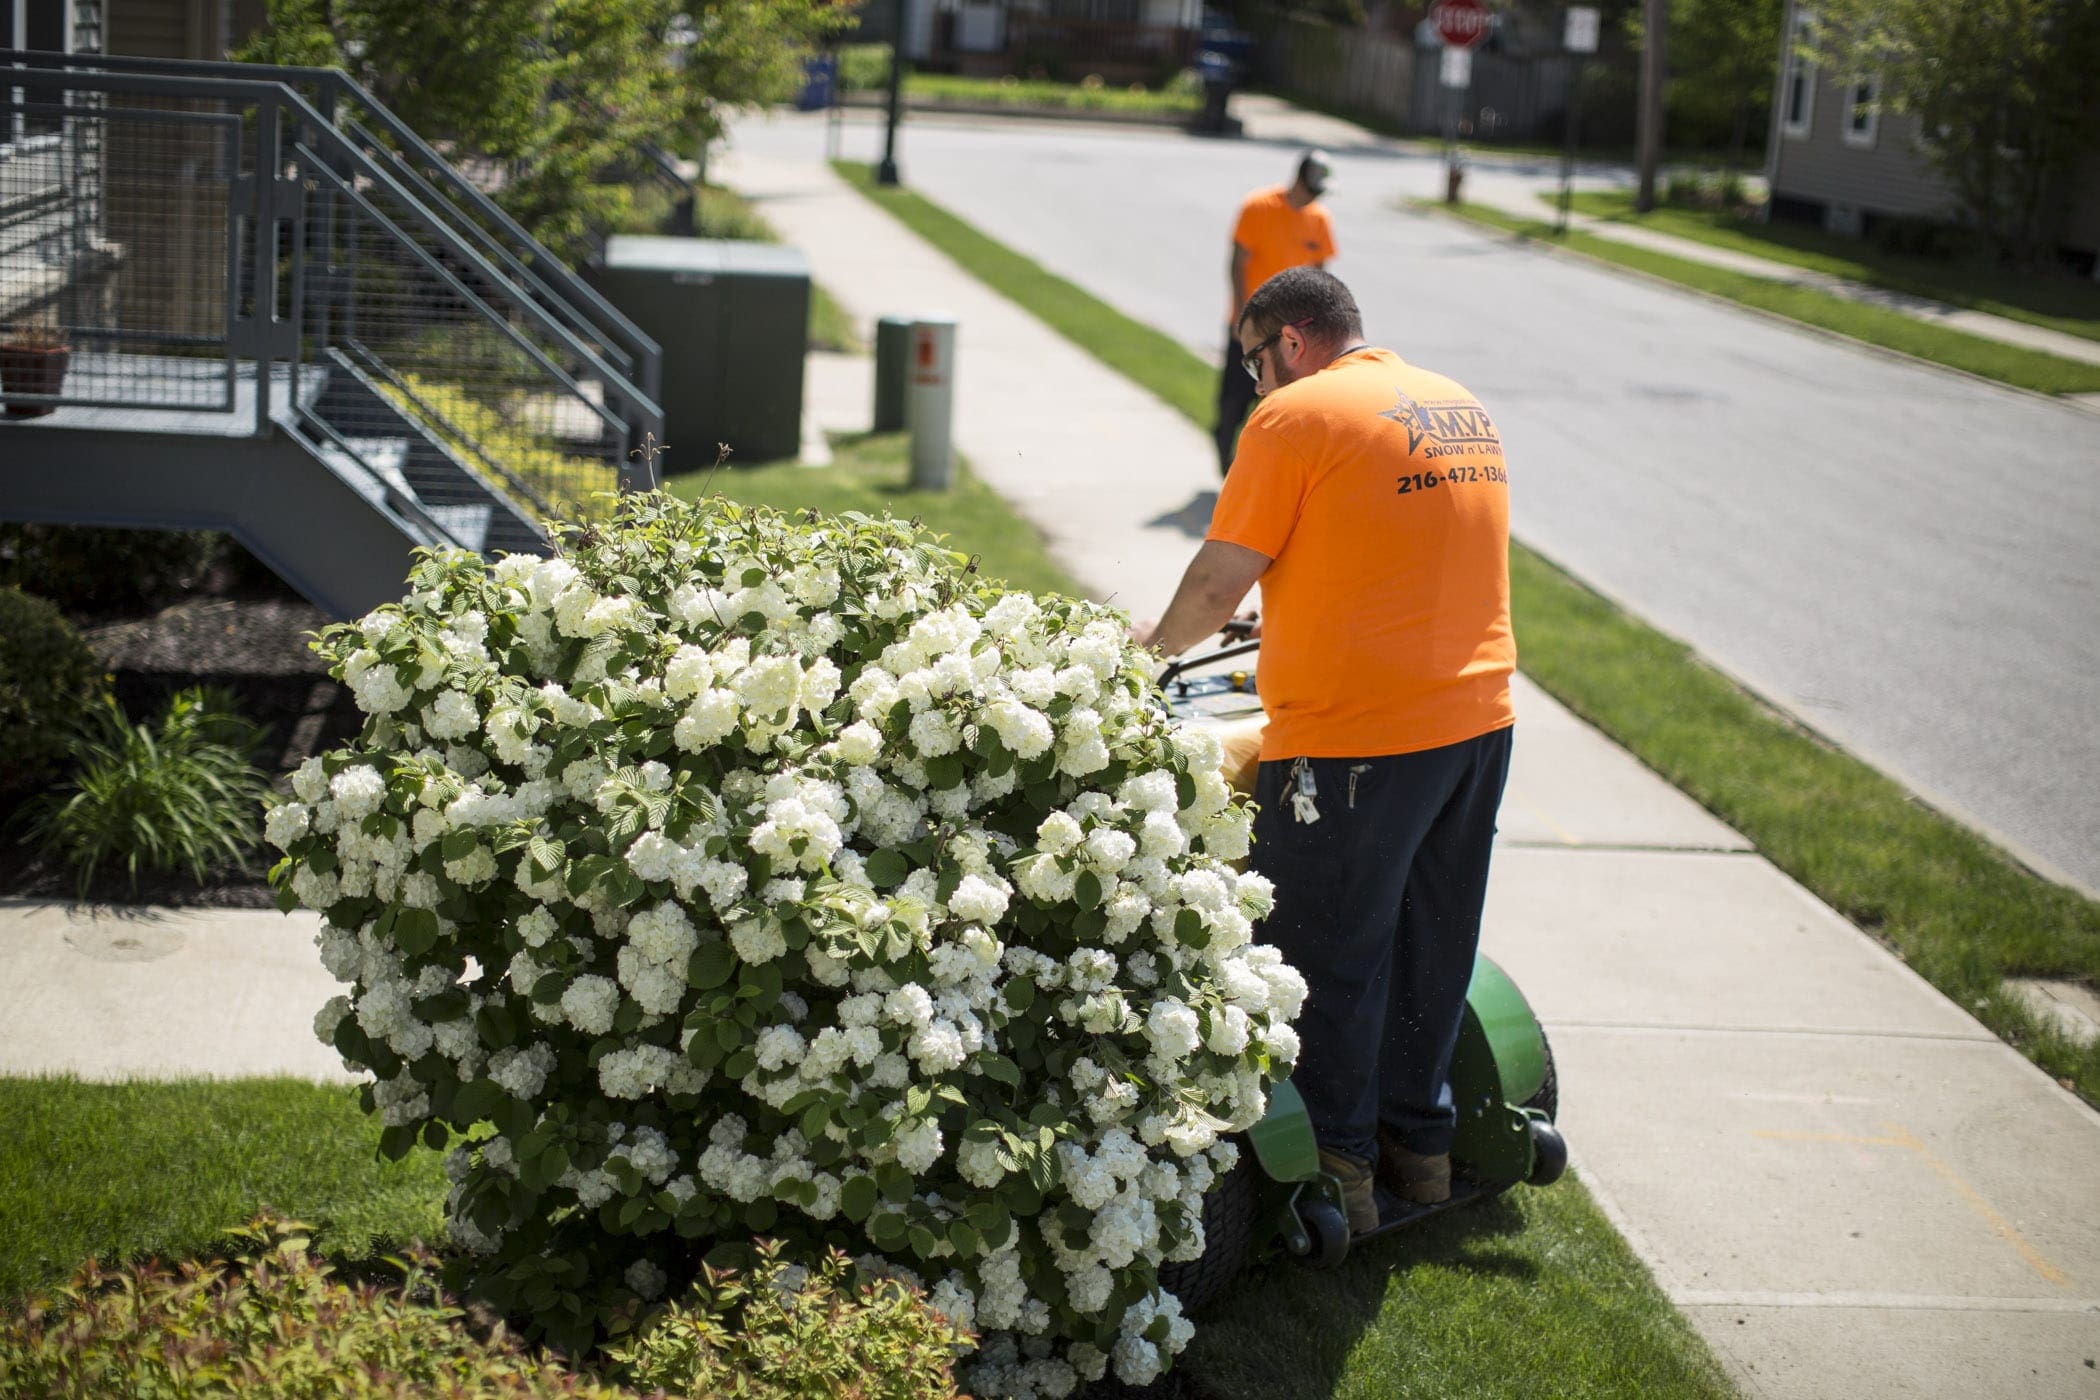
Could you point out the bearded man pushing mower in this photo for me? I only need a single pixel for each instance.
(1370, 500)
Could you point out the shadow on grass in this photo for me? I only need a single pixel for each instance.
(1287, 1329)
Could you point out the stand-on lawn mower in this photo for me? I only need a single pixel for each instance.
(1276, 1199)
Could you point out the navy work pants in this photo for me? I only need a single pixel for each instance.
(1235, 397)
(1378, 905)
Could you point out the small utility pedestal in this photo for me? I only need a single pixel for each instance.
(733, 320)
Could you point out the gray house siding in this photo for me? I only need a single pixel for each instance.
(1812, 162)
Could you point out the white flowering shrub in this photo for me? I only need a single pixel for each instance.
(748, 876)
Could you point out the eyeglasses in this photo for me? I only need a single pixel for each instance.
(1251, 361)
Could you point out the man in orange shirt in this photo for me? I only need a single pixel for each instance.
(1278, 227)
(1371, 501)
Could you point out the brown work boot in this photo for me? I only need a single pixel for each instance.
(1354, 1176)
(1412, 1176)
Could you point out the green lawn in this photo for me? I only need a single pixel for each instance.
(1946, 900)
(1075, 97)
(1891, 330)
(1531, 1294)
(2057, 300)
(870, 473)
(120, 1171)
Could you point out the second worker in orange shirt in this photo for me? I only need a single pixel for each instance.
(1278, 227)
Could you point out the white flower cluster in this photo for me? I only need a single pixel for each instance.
(758, 877)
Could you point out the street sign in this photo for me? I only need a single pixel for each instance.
(1456, 68)
(1581, 34)
(1459, 23)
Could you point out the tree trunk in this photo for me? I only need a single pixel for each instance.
(1655, 16)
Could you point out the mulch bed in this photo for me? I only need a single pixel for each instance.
(253, 645)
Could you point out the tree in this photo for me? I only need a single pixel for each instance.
(746, 53)
(563, 95)
(1724, 56)
(2003, 90)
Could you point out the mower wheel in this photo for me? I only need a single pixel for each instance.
(1547, 1099)
(1228, 1234)
(1328, 1229)
(1549, 1153)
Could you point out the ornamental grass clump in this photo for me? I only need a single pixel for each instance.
(749, 875)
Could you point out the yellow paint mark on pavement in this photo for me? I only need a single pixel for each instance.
(1567, 837)
(1902, 1138)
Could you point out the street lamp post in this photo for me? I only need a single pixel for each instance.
(886, 173)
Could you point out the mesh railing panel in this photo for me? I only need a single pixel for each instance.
(431, 335)
(114, 240)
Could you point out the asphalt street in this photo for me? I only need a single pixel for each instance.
(1906, 559)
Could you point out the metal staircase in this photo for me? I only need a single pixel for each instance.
(291, 319)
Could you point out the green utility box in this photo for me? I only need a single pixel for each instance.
(733, 320)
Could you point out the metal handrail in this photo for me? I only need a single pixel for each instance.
(553, 281)
(166, 85)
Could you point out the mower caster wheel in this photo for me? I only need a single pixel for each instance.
(1549, 1153)
(1327, 1231)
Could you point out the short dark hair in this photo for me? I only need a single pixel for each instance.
(1310, 298)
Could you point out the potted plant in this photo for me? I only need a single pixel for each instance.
(33, 360)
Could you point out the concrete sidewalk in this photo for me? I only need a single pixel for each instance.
(1848, 1184)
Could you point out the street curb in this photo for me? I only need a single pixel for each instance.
(2068, 402)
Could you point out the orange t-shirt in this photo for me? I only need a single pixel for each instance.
(1276, 236)
(1380, 491)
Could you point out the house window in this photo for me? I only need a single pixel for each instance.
(1863, 112)
(1799, 110)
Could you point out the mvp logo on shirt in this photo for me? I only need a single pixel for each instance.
(1458, 426)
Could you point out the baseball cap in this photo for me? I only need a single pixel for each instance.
(1316, 169)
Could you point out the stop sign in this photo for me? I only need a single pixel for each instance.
(1459, 23)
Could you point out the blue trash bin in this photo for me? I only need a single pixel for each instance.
(820, 74)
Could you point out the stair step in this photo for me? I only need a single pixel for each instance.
(373, 464)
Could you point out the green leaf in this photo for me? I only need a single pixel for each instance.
(395, 1142)
(546, 1169)
(945, 772)
(1185, 788)
(965, 1239)
(922, 1241)
(815, 1119)
(1020, 994)
(1087, 890)
(710, 966)
(459, 843)
(857, 1197)
(887, 1230)
(1188, 928)
(994, 1066)
(546, 856)
(415, 931)
(475, 1101)
(496, 1025)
